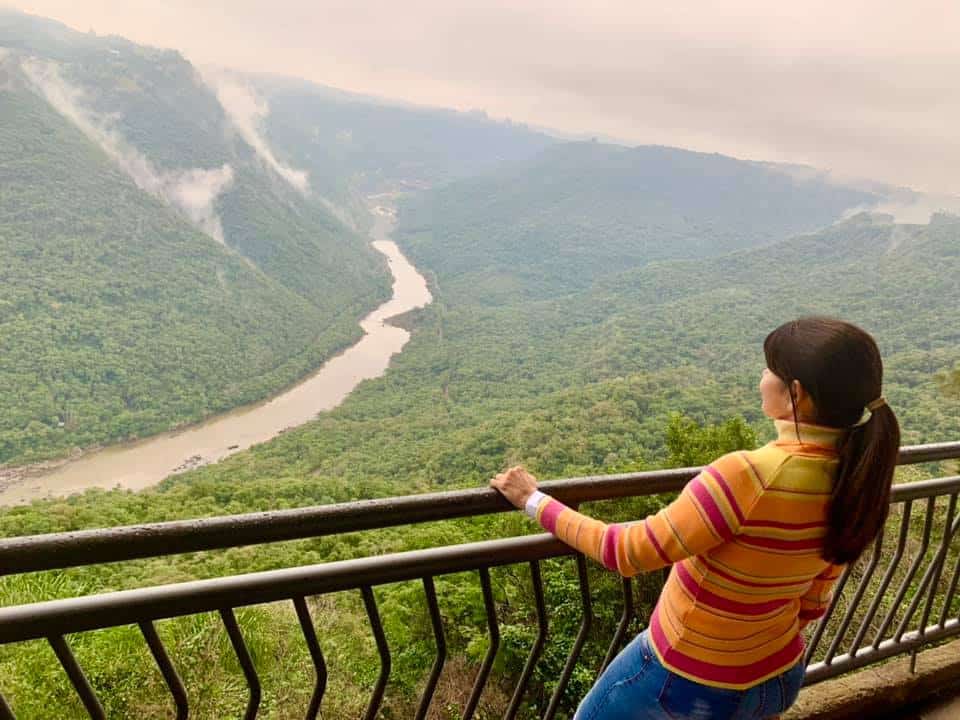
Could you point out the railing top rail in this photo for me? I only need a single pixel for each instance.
(88, 547)
(122, 607)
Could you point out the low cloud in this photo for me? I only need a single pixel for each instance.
(247, 111)
(193, 191)
(919, 209)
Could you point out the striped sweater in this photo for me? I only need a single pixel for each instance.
(744, 539)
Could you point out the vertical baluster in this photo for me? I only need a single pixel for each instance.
(623, 624)
(857, 596)
(77, 678)
(935, 563)
(170, 676)
(487, 664)
(578, 643)
(949, 529)
(246, 662)
(316, 655)
(437, 623)
(382, 648)
(885, 583)
(822, 623)
(911, 571)
(538, 643)
(935, 570)
(950, 593)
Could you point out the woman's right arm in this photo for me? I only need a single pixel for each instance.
(708, 512)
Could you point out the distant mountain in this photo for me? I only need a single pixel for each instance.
(376, 144)
(576, 211)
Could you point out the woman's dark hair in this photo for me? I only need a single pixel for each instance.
(839, 365)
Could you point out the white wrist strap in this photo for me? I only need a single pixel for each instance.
(533, 502)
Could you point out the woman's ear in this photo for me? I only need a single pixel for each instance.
(804, 403)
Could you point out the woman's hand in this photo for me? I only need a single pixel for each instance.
(516, 484)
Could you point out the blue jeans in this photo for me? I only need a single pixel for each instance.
(636, 686)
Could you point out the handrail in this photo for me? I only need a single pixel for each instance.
(88, 547)
(122, 607)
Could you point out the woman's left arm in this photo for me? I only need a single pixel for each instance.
(708, 512)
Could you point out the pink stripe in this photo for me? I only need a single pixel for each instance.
(656, 545)
(730, 674)
(721, 603)
(726, 491)
(717, 571)
(550, 514)
(710, 506)
(610, 540)
(778, 544)
(812, 614)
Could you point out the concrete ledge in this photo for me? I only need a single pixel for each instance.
(881, 690)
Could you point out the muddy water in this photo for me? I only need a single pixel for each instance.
(146, 462)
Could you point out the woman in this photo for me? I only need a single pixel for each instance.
(756, 540)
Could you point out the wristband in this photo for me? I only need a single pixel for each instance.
(533, 503)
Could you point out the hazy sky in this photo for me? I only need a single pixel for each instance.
(866, 88)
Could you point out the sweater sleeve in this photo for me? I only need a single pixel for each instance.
(708, 512)
(814, 602)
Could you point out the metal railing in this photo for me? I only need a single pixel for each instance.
(916, 568)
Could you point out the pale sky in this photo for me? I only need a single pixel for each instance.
(865, 88)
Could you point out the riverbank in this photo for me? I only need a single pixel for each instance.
(145, 462)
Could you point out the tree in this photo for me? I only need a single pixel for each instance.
(690, 444)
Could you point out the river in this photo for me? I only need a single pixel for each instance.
(139, 464)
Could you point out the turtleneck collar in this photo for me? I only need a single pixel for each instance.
(819, 435)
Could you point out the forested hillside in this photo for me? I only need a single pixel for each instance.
(163, 121)
(155, 270)
(117, 317)
(579, 211)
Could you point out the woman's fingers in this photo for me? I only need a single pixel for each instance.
(515, 484)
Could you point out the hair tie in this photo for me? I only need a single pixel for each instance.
(869, 410)
(875, 404)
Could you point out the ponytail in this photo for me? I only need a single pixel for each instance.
(861, 494)
(839, 366)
